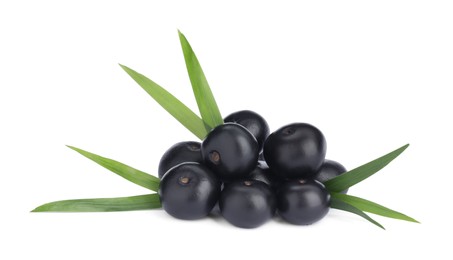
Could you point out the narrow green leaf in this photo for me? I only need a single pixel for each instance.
(371, 207)
(141, 202)
(360, 173)
(133, 175)
(341, 205)
(203, 94)
(176, 108)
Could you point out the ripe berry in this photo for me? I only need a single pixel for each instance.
(260, 173)
(189, 191)
(295, 151)
(230, 150)
(255, 123)
(247, 204)
(330, 169)
(264, 174)
(179, 153)
(302, 202)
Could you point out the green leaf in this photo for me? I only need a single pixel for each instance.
(173, 106)
(371, 207)
(341, 205)
(133, 175)
(141, 202)
(203, 94)
(360, 173)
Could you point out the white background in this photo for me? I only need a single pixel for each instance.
(372, 75)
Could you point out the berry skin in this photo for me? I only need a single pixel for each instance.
(179, 153)
(255, 123)
(295, 151)
(260, 173)
(330, 169)
(230, 151)
(302, 202)
(261, 156)
(247, 204)
(264, 174)
(189, 191)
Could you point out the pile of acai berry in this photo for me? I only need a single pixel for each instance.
(248, 174)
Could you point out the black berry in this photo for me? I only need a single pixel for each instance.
(261, 173)
(302, 202)
(247, 204)
(179, 153)
(295, 151)
(230, 150)
(189, 191)
(330, 169)
(255, 123)
(261, 156)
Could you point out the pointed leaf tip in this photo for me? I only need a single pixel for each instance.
(140, 202)
(131, 174)
(341, 205)
(207, 105)
(371, 207)
(170, 103)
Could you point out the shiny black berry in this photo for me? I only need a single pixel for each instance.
(247, 204)
(302, 202)
(330, 169)
(255, 123)
(230, 150)
(264, 174)
(189, 191)
(261, 173)
(179, 153)
(295, 151)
